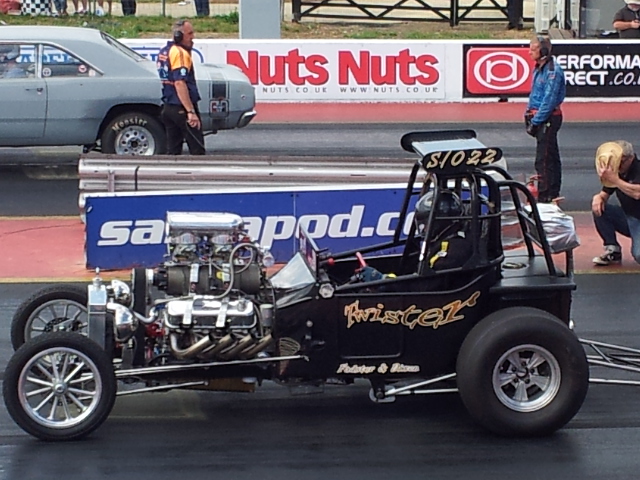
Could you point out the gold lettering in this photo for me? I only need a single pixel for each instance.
(455, 306)
(474, 159)
(490, 156)
(431, 317)
(433, 160)
(411, 316)
(458, 158)
(443, 162)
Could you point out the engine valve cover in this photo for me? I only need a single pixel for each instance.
(205, 313)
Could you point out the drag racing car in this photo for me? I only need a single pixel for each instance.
(80, 86)
(442, 306)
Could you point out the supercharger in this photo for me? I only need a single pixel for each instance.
(212, 300)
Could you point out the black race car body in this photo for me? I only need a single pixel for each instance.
(444, 306)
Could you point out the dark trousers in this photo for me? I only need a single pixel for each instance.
(514, 12)
(178, 130)
(128, 7)
(613, 221)
(548, 165)
(202, 8)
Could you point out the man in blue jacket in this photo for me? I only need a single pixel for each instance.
(543, 118)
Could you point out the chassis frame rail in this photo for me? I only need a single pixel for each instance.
(612, 356)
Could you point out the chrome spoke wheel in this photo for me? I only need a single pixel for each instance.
(526, 378)
(135, 140)
(56, 315)
(59, 387)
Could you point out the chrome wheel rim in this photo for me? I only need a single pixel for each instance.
(526, 378)
(135, 140)
(59, 388)
(55, 316)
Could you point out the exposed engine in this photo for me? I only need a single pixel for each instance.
(218, 304)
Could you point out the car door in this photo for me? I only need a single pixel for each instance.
(76, 100)
(24, 99)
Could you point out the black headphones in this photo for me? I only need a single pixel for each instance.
(545, 46)
(178, 35)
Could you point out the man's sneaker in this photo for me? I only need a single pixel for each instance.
(99, 12)
(611, 256)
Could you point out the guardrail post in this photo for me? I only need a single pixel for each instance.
(111, 181)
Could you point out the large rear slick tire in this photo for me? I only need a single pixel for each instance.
(522, 372)
(51, 309)
(59, 386)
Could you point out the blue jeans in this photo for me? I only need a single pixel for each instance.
(61, 5)
(612, 221)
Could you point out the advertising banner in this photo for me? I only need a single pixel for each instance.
(293, 70)
(128, 230)
(610, 69)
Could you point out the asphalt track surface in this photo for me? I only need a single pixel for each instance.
(340, 434)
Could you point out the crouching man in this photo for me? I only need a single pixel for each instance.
(619, 171)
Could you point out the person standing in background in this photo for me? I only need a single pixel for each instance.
(543, 118)
(61, 7)
(627, 20)
(202, 8)
(514, 14)
(82, 10)
(128, 7)
(180, 94)
(100, 8)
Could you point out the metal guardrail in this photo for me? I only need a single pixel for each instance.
(111, 173)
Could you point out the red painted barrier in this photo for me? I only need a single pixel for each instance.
(51, 249)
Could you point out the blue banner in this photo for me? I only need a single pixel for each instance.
(128, 230)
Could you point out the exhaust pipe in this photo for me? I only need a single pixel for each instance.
(191, 351)
(243, 344)
(224, 342)
(253, 350)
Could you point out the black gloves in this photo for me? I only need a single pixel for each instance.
(530, 127)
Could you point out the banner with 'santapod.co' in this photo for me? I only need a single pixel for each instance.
(126, 230)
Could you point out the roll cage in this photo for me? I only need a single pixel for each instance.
(457, 161)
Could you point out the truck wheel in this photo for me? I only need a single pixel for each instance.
(60, 307)
(59, 386)
(522, 372)
(134, 134)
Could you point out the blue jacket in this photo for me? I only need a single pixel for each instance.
(547, 91)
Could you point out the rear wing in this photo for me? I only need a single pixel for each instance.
(447, 150)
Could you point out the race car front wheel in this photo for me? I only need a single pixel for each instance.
(51, 309)
(522, 372)
(59, 386)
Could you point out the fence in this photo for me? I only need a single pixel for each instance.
(452, 11)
